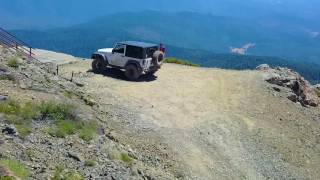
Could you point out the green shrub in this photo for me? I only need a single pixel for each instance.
(73, 175)
(180, 61)
(19, 115)
(15, 167)
(56, 111)
(68, 94)
(114, 154)
(90, 163)
(58, 173)
(23, 129)
(6, 178)
(318, 93)
(63, 174)
(67, 127)
(13, 62)
(65, 122)
(27, 111)
(126, 158)
(30, 153)
(63, 128)
(87, 130)
(9, 77)
(9, 107)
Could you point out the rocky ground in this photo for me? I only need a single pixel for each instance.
(183, 123)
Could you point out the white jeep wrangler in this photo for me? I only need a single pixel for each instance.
(136, 58)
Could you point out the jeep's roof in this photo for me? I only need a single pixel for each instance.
(138, 44)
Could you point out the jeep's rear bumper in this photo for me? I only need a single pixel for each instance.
(151, 69)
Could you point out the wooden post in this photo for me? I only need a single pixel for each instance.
(57, 71)
(30, 54)
(71, 77)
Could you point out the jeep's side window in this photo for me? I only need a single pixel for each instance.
(150, 51)
(134, 52)
(119, 49)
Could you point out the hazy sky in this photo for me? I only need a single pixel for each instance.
(50, 13)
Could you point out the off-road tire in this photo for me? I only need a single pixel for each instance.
(158, 58)
(99, 65)
(132, 72)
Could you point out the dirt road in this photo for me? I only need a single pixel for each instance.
(212, 123)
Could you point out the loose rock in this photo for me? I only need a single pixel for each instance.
(10, 130)
(3, 98)
(75, 156)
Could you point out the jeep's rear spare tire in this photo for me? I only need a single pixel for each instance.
(157, 58)
(99, 65)
(132, 72)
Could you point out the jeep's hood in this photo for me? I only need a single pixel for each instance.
(105, 50)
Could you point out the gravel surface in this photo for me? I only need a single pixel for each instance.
(213, 123)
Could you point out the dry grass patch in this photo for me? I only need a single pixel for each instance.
(318, 92)
(180, 61)
(13, 62)
(20, 115)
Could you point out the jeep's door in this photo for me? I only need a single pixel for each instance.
(118, 57)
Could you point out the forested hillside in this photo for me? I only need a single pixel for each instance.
(204, 39)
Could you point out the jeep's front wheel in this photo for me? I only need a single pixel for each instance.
(132, 72)
(99, 65)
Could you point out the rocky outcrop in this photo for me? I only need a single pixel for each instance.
(300, 89)
(263, 67)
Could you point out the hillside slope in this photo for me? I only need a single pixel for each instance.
(198, 123)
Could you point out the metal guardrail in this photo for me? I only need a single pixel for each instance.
(10, 41)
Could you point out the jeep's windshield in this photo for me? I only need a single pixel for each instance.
(119, 48)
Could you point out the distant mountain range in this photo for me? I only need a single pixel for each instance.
(43, 14)
(201, 38)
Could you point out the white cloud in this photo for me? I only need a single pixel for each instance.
(243, 50)
(315, 34)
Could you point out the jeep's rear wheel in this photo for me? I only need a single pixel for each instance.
(99, 65)
(132, 72)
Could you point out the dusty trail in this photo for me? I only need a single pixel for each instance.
(219, 124)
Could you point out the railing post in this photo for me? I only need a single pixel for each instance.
(57, 70)
(30, 53)
(71, 77)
